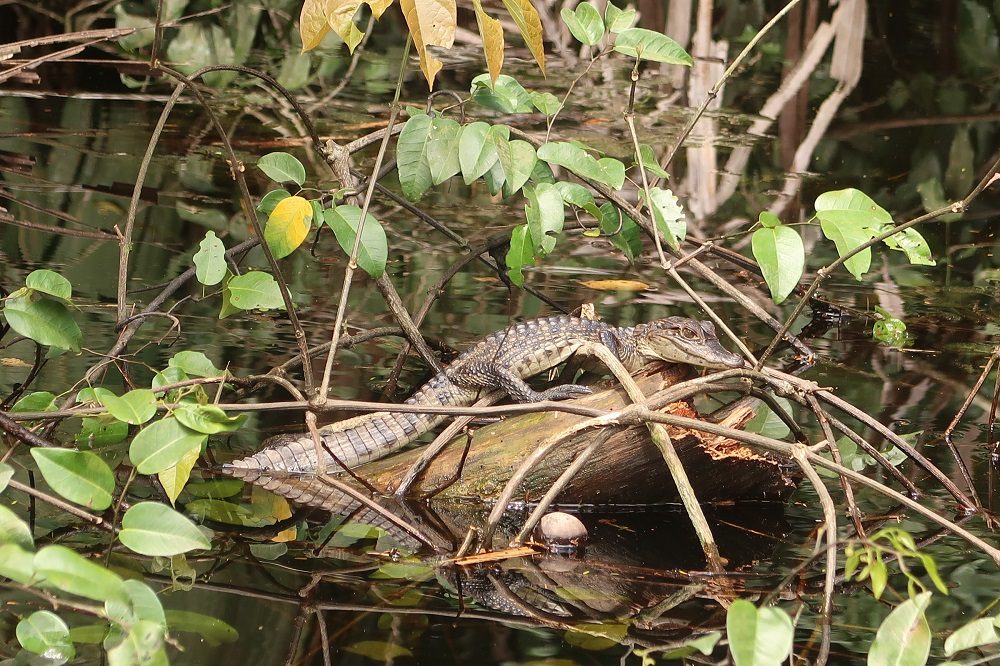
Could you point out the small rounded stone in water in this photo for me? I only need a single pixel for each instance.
(559, 530)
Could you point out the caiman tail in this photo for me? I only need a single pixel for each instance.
(355, 441)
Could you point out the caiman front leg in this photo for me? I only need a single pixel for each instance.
(487, 376)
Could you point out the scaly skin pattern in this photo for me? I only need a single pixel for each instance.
(500, 361)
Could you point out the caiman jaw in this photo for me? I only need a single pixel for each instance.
(683, 340)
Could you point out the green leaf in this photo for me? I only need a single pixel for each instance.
(622, 231)
(151, 528)
(585, 24)
(618, 20)
(889, 329)
(477, 152)
(162, 444)
(517, 159)
(782, 258)
(135, 407)
(270, 200)
(282, 168)
(851, 218)
(37, 401)
(49, 283)
(45, 321)
(909, 241)
(173, 479)
(669, 216)
(288, 226)
(226, 512)
(143, 644)
(79, 476)
(254, 290)
(442, 149)
(213, 630)
(379, 651)
(703, 644)
(197, 44)
(13, 530)
(17, 564)
(167, 376)
(904, 637)
(649, 45)
(848, 235)
(649, 161)
(495, 179)
(546, 102)
(982, 631)
(879, 575)
(374, 248)
(207, 419)
(194, 364)
(765, 422)
(6, 474)
(411, 157)
(545, 214)
(217, 488)
(268, 551)
(210, 259)
(72, 573)
(607, 171)
(505, 96)
(143, 605)
(45, 633)
(758, 637)
(575, 194)
(520, 254)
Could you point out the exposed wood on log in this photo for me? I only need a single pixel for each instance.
(628, 470)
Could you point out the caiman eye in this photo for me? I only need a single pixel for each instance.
(688, 334)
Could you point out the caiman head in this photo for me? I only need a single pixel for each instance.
(683, 340)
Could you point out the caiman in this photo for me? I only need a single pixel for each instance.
(500, 361)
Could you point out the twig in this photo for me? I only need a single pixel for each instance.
(370, 504)
(353, 261)
(553, 492)
(97, 521)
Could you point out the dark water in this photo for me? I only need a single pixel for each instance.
(632, 588)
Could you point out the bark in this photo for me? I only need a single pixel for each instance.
(628, 470)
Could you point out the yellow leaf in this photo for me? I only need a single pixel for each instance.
(615, 285)
(431, 23)
(378, 7)
(527, 22)
(288, 225)
(269, 505)
(340, 17)
(491, 31)
(312, 23)
(174, 479)
(283, 536)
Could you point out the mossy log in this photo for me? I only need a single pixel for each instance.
(628, 469)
